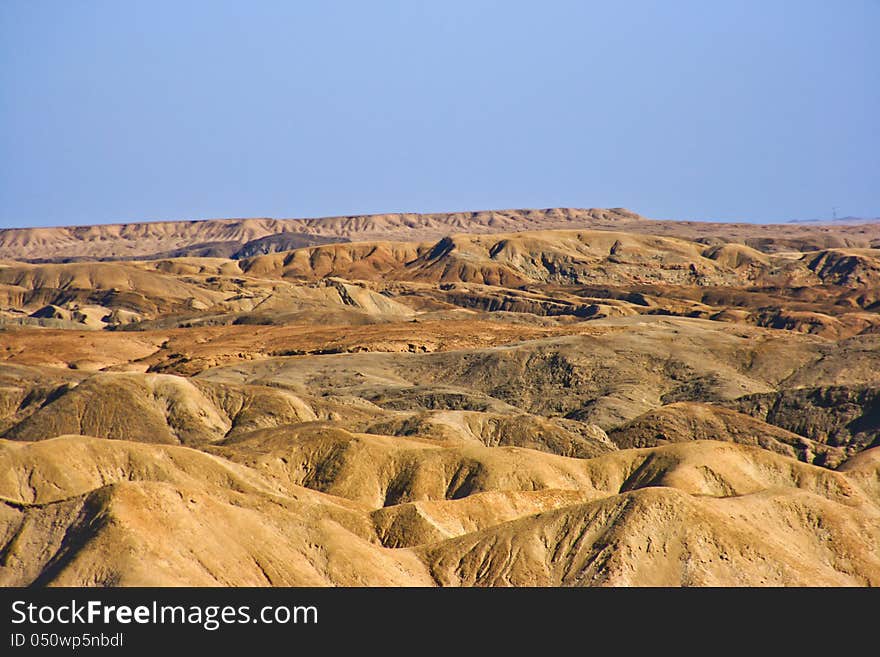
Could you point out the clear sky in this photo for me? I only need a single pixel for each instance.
(127, 111)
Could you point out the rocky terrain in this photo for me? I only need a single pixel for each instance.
(513, 398)
(242, 238)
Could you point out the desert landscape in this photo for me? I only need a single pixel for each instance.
(556, 397)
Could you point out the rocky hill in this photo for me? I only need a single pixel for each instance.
(246, 237)
(552, 398)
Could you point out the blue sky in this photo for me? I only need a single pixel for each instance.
(129, 111)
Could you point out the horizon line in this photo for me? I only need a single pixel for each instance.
(849, 219)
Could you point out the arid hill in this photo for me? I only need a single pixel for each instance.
(238, 238)
(512, 398)
(562, 274)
